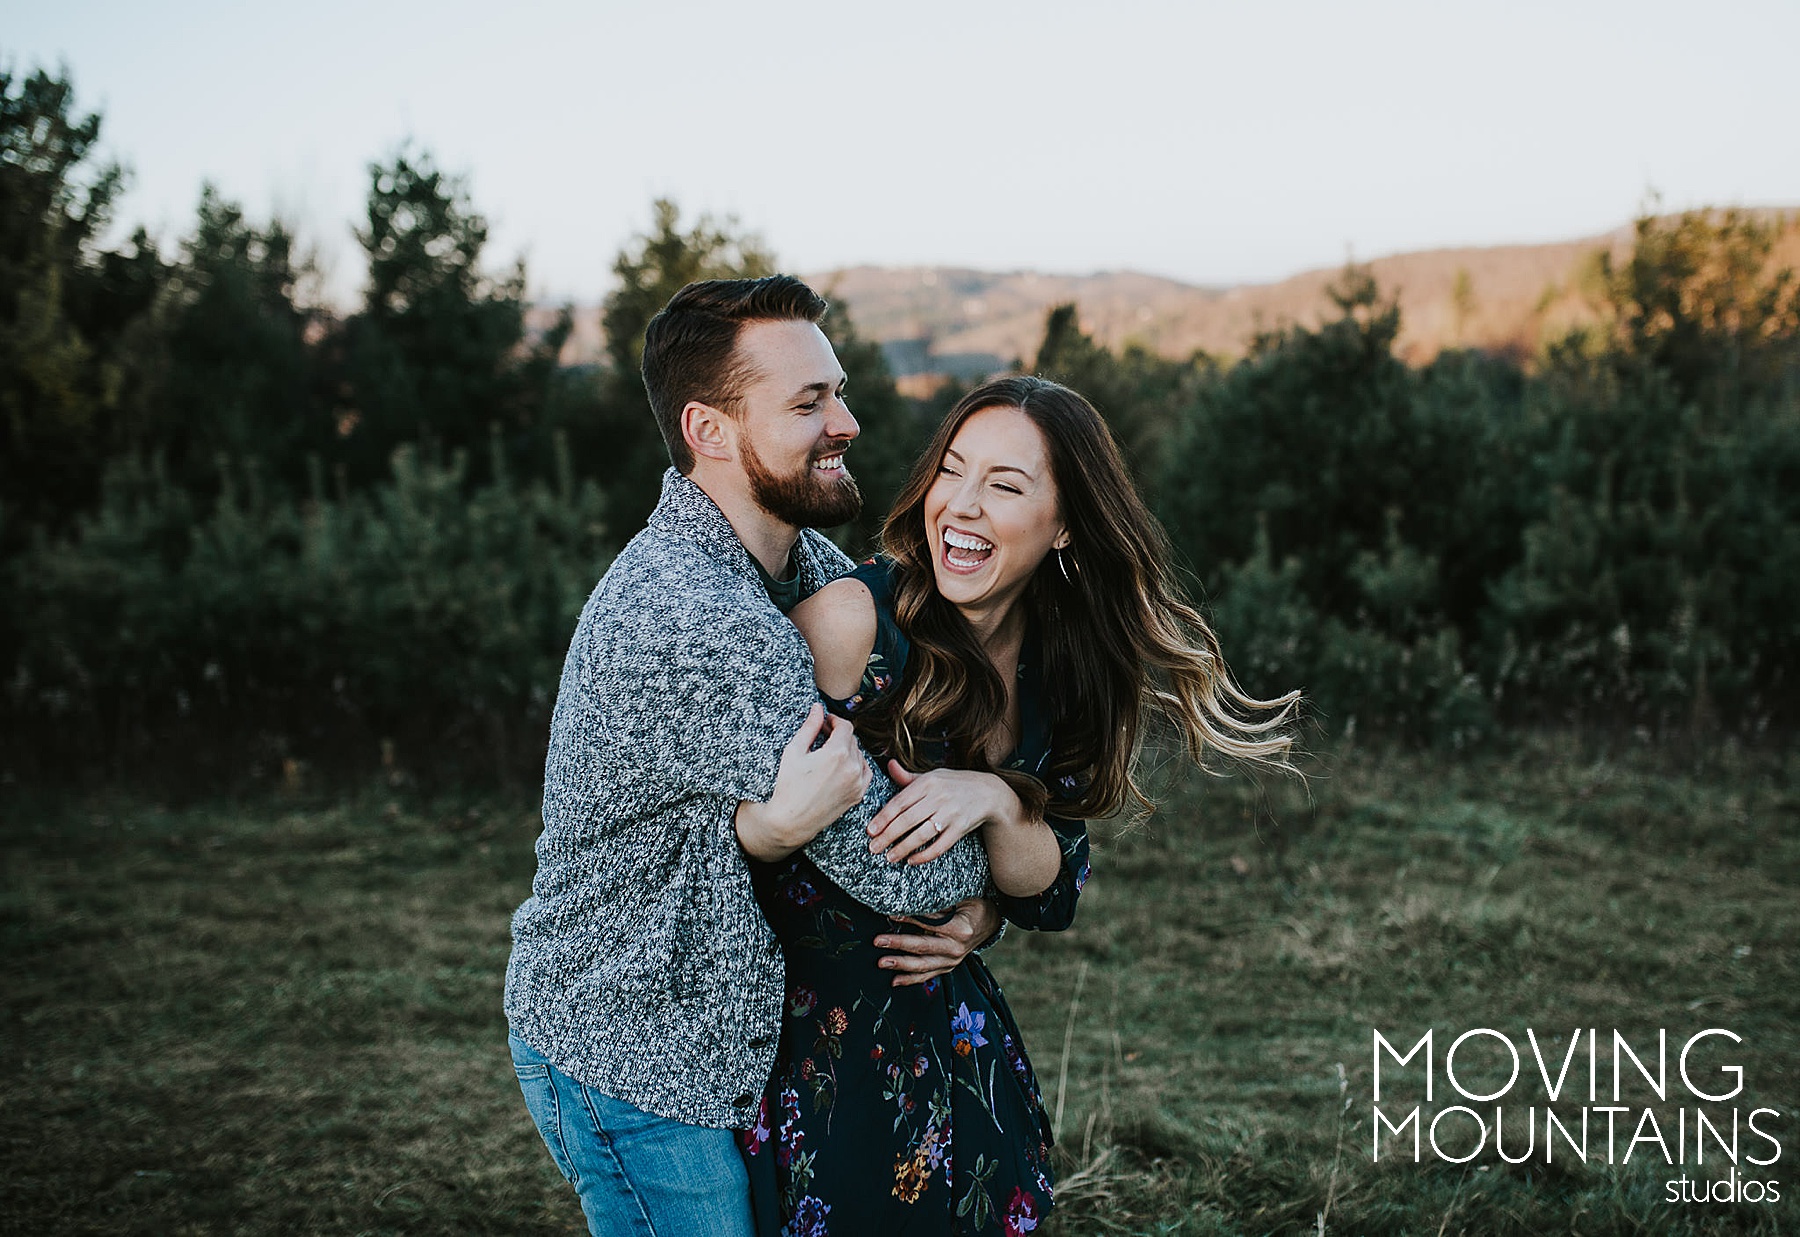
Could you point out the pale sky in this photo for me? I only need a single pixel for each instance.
(1216, 143)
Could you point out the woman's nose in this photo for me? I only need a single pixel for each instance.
(966, 501)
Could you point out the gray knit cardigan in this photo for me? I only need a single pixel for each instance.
(641, 964)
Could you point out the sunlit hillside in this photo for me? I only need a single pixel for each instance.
(1504, 298)
(935, 320)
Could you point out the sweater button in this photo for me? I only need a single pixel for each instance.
(761, 1041)
(743, 1101)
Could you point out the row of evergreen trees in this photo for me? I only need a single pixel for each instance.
(240, 533)
(239, 529)
(1610, 535)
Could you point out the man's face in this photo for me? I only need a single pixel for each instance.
(794, 426)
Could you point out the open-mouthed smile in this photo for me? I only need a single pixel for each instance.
(964, 552)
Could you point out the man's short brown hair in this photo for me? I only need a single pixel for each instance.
(690, 348)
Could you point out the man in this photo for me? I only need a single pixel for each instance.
(644, 991)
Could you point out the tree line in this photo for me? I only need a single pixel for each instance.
(243, 535)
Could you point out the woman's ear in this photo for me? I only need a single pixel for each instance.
(1063, 540)
(707, 431)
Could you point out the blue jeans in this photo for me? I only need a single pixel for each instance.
(637, 1174)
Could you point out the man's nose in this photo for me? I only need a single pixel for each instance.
(840, 424)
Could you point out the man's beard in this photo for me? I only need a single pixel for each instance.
(808, 500)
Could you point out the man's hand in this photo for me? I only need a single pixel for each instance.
(813, 787)
(937, 949)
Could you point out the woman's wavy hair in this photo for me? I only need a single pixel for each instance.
(1117, 641)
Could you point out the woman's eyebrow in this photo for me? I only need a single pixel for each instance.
(951, 452)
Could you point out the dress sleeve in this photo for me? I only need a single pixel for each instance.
(1054, 909)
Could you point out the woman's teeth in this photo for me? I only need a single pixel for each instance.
(964, 551)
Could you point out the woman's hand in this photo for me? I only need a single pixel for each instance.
(937, 949)
(933, 809)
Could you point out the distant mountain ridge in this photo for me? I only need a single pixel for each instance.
(938, 321)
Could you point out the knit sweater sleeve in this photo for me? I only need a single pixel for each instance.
(694, 697)
(842, 853)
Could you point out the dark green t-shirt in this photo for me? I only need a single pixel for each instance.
(786, 593)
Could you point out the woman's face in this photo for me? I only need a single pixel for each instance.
(992, 513)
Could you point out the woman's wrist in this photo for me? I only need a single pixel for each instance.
(1007, 812)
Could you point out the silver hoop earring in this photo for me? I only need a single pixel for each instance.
(1063, 565)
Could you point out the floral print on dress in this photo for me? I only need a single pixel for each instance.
(808, 1220)
(876, 679)
(910, 1108)
(1021, 1213)
(756, 1137)
(965, 1031)
(801, 893)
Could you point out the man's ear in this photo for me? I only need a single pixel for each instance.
(708, 432)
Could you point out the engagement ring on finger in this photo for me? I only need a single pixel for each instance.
(937, 826)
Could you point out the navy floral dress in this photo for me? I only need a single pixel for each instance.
(909, 1110)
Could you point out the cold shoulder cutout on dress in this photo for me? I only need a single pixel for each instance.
(840, 625)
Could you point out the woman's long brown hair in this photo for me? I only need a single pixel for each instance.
(1117, 639)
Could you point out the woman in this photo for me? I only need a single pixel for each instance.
(1010, 644)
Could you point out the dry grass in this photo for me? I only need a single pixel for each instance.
(268, 1019)
(1241, 948)
(261, 1021)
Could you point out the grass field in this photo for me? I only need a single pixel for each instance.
(284, 1017)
